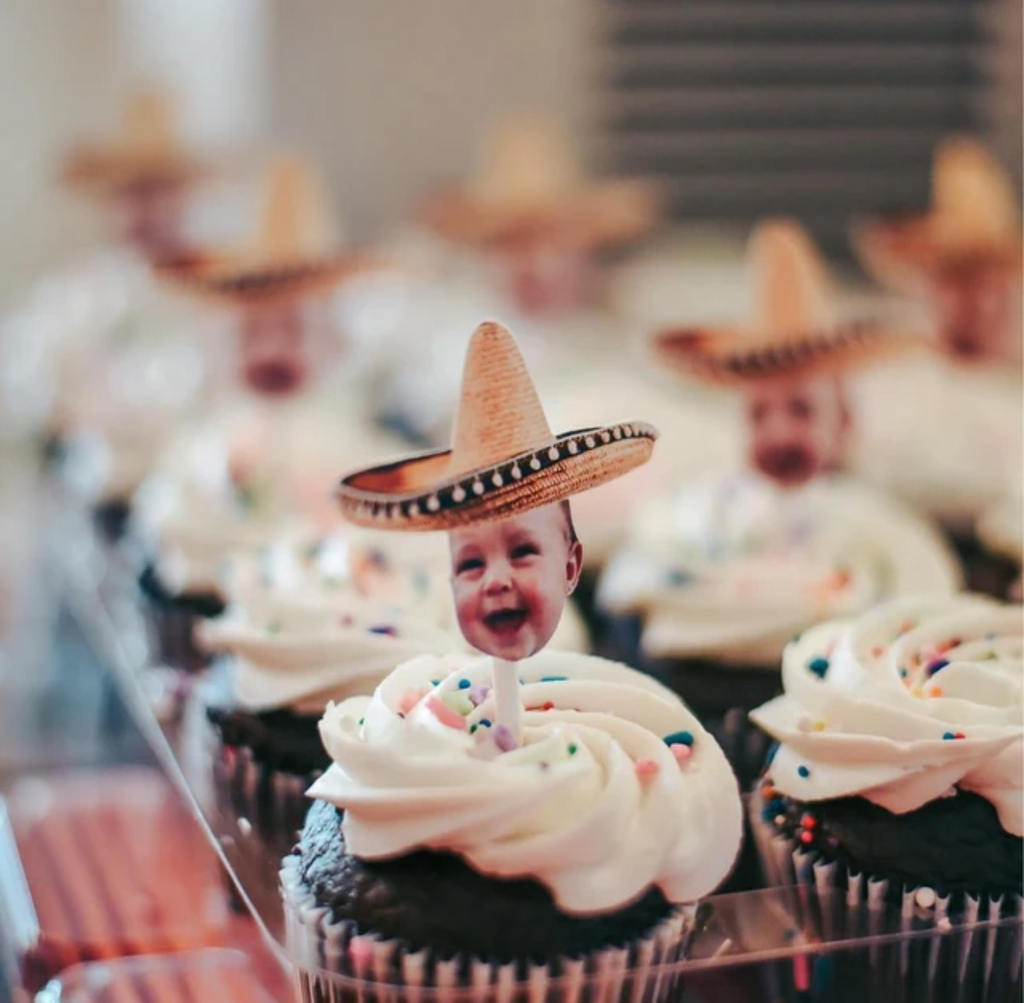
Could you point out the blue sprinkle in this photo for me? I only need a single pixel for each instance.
(464, 684)
(678, 577)
(553, 679)
(937, 666)
(903, 673)
(948, 736)
(803, 771)
(386, 630)
(819, 666)
(679, 738)
(776, 806)
(484, 722)
(435, 682)
(790, 934)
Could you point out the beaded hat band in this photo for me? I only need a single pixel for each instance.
(504, 460)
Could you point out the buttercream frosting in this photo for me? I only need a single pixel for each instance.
(731, 568)
(309, 621)
(593, 803)
(904, 704)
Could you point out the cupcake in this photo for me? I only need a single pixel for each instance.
(544, 871)
(267, 458)
(100, 362)
(311, 623)
(714, 579)
(897, 778)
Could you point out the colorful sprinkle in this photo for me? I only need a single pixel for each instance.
(448, 717)
(464, 684)
(484, 722)
(818, 726)
(385, 629)
(948, 736)
(473, 728)
(362, 721)
(937, 666)
(903, 673)
(806, 837)
(877, 651)
(554, 679)
(679, 578)
(478, 694)
(504, 739)
(935, 691)
(808, 821)
(959, 735)
(681, 752)
(679, 738)
(803, 771)
(819, 666)
(547, 705)
(458, 702)
(646, 768)
(573, 749)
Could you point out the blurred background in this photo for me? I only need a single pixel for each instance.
(740, 107)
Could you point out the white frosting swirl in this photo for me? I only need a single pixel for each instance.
(918, 697)
(732, 568)
(939, 434)
(314, 621)
(240, 479)
(594, 804)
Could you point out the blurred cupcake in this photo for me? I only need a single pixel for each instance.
(712, 582)
(900, 754)
(318, 621)
(100, 363)
(943, 431)
(269, 456)
(574, 854)
(1001, 532)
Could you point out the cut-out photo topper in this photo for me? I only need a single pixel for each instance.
(502, 493)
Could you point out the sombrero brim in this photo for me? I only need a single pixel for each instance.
(730, 357)
(104, 172)
(597, 215)
(897, 249)
(228, 280)
(423, 493)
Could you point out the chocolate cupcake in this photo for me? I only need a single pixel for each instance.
(557, 877)
(1001, 532)
(901, 751)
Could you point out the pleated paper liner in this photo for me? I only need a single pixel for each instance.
(961, 962)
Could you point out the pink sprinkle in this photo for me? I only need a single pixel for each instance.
(503, 738)
(448, 717)
(409, 700)
(647, 767)
(681, 752)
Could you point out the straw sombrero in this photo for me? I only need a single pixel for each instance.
(294, 253)
(796, 329)
(974, 221)
(528, 182)
(146, 153)
(504, 460)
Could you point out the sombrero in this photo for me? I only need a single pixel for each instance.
(294, 252)
(146, 153)
(974, 221)
(796, 329)
(504, 460)
(528, 182)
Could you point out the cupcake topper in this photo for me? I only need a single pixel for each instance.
(292, 257)
(502, 493)
(965, 250)
(789, 359)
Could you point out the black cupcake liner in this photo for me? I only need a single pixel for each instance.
(950, 965)
(334, 962)
(984, 571)
(171, 623)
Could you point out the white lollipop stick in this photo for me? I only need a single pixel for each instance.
(508, 702)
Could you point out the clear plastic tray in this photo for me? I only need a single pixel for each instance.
(102, 864)
(799, 943)
(207, 976)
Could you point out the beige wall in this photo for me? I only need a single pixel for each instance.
(393, 95)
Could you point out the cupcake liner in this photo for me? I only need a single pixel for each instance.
(334, 963)
(952, 965)
(274, 802)
(172, 637)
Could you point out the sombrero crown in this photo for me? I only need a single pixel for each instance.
(504, 458)
(527, 178)
(795, 329)
(147, 150)
(294, 251)
(974, 219)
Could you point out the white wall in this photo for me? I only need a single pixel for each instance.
(393, 95)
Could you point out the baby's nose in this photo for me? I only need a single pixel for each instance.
(498, 578)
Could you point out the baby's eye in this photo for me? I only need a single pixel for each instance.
(523, 550)
(468, 564)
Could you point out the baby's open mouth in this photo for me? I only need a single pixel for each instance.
(505, 622)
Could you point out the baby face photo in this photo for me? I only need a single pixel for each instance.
(511, 578)
(798, 429)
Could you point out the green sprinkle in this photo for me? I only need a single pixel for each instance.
(572, 748)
